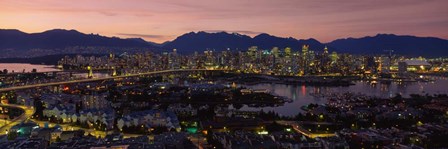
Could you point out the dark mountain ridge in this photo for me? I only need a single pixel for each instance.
(59, 38)
(400, 44)
(200, 41)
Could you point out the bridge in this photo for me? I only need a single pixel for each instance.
(55, 71)
(107, 78)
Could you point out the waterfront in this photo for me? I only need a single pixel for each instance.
(144, 98)
(223, 74)
(302, 95)
(23, 67)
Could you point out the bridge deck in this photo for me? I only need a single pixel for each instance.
(100, 79)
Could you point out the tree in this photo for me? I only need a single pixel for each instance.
(58, 139)
(12, 135)
(38, 106)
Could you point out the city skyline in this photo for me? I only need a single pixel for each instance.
(160, 21)
(235, 74)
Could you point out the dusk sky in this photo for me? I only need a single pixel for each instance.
(162, 20)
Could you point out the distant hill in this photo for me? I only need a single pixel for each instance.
(266, 41)
(200, 41)
(59, 38)
(402, 45)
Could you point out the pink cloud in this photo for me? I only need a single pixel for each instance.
(320, 19)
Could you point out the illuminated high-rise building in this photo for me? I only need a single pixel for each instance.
(288, 52)
(311, 55)
(370, 64)
(305, 50)
(252, 52)
(402, 68)
(385, 64)
(209, 58)
(111, 55)
(275, 51)
(325, 61)
(173, 60)
(174, 52)
(326, 50)
(305, 59)
(334, 57)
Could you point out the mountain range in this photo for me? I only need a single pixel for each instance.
(197, 41)
(59, 38)
(200, 41)
(401, 45)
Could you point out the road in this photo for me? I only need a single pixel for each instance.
(99, 79)
(305, 132)
(67, 127)
(93, 132)
(198, 140)
(28, 112)
(3, 122)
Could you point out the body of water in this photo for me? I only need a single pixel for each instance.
(302, 95)
(21, 67)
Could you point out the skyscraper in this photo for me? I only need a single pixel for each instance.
(275, 51)
(305, 59)
(288, 52)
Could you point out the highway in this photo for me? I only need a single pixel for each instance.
(67, 127)
(28, 112)
(305, 132)
(99, 79)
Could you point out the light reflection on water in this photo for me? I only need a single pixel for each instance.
(300, 94)
(20, 67)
